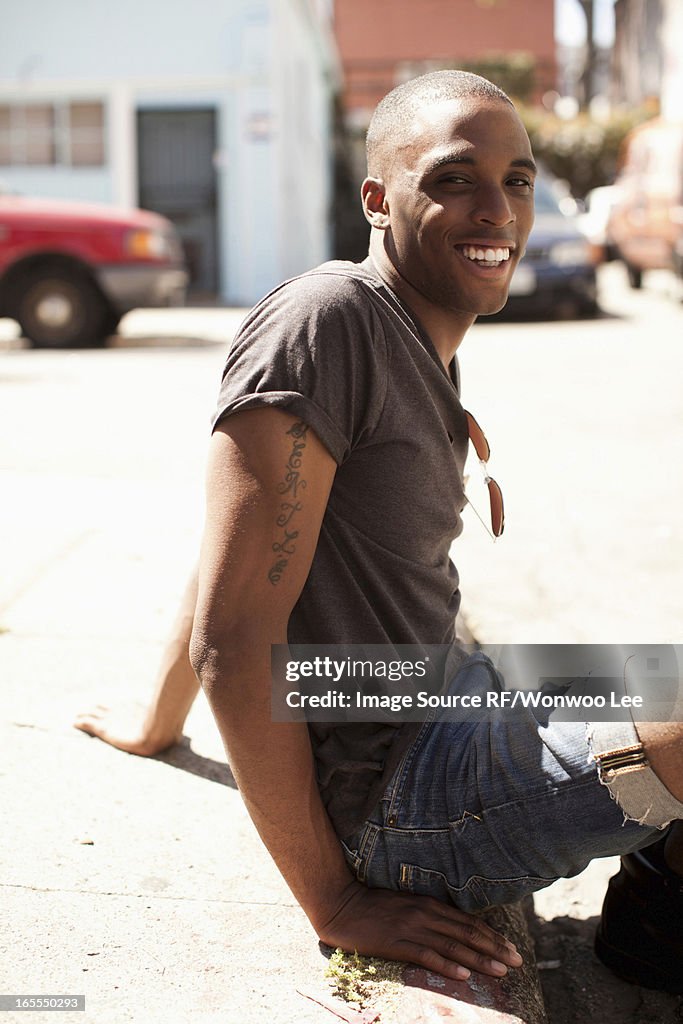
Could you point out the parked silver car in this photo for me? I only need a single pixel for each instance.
(556, 277)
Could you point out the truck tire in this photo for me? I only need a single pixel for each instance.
(112, 321)
(635, 276)
(61, 309)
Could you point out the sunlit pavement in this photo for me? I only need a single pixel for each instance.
(585, 421)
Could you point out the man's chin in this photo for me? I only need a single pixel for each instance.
(488, 306)
(493, 308)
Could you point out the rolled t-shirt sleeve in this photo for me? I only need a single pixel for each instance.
(316, 347)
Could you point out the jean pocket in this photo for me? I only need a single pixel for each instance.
(352, 857)
(478, 893)
(426, 882)
(358, 850)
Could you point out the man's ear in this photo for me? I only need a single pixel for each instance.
(375, 206)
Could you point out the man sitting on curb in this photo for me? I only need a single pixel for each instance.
(334, 493)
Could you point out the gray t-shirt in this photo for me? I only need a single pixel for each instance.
(336, 348)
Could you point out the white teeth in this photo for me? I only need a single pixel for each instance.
(486, 255)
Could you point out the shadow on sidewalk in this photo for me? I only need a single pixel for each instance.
(578, 988)
(183, 757)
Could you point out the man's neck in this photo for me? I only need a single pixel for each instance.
(446, 328)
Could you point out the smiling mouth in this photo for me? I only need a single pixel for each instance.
(485, 257)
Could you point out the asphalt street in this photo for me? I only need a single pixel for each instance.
(101, 474)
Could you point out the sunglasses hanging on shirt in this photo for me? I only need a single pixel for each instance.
(483, 450)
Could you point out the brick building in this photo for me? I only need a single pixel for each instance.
(388, 41)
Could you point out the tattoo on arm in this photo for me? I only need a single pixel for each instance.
(291, 485)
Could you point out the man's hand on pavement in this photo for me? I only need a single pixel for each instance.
(128, 729)
(419, 930)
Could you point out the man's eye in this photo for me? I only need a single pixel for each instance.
(453, 179)
(521, 183)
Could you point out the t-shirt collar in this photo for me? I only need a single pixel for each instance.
(414, 323)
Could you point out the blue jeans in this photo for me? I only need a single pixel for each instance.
(481, 813)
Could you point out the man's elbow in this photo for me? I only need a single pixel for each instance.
(215, 664)
(205, 656)
(231, 655)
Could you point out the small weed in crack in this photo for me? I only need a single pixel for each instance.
(363, 980)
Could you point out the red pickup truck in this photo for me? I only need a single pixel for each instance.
(69, 271)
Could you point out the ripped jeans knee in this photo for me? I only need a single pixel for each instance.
(624, 769)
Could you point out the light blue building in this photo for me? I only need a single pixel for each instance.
(215, 113)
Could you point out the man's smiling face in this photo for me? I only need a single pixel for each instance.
(459, 203)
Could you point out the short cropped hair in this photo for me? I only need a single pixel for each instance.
(395, 113)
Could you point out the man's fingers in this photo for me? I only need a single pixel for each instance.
(432, 961)
(451, 938)
(456, 925)
(87, 723)
(475, 933)
(98, 712)
(468, 953)
(453, 958)
(425, 932)
(472, 931)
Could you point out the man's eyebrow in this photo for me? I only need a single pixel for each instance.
(527, 162)
(460, 158)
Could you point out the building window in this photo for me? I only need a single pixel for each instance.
(52, 134)
(86, 134)
(27, 134)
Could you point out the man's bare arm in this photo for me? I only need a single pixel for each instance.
(149, 730)
(268, 486)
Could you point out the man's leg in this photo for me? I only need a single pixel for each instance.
(486, 812)
(149, 731)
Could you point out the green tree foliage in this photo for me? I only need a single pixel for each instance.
(583, 151)
(515, 73)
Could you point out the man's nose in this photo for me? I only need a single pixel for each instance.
(493, 207)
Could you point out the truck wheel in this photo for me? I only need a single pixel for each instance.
(635, 276)
(57, 309)
(112, 322)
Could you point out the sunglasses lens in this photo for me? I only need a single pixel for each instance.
(478, 438)
(497, 511)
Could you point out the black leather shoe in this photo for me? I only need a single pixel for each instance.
(640, 936)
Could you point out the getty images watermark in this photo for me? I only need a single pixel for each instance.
(409, 683)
